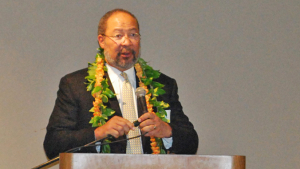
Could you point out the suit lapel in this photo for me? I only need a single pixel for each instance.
(113, 102)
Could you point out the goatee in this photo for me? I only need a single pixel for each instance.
(122, 64)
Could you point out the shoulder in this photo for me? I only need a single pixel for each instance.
(75, 79)
(77, 74)
(170, 85)
(166, 80)
(74, 84)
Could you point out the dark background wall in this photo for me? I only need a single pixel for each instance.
(236, 62)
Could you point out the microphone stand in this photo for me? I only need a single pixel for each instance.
(91, 144)
(70, 151)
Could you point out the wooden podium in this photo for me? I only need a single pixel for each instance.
(144, 161)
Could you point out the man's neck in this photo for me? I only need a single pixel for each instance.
(120, 69)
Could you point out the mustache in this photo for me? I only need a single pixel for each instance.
(127, 50)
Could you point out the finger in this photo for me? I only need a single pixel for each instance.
(149, 128)
(117, 126)
(146, 116)
(126, 129)
(120, 129)
(147, 123)
(114, 133)
(150, 133)
(122, 122)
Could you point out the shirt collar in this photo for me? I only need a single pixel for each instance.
(115, 74)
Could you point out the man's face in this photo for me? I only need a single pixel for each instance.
(121, 54)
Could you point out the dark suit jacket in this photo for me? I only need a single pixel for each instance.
(69, 125)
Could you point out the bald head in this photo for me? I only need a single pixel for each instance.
(103, 21)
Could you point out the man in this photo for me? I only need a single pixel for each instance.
(118, 35)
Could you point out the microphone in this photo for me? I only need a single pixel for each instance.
(141, 101)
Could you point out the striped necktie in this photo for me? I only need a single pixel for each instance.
(134, 146)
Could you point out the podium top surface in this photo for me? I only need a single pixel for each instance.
(126, 161)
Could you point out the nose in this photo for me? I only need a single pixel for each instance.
(126, 41)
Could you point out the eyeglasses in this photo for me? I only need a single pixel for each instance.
(133, 37)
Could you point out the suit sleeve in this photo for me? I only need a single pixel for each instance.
(65, 130)
(185, 138)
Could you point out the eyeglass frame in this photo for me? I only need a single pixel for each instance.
(113, 38)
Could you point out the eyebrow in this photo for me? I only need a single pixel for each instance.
(132, 29)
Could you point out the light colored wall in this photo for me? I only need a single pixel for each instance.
(236, 62)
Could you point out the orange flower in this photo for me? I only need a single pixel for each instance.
(153, 144)
(97, 114)
(139, 73)
(98, 80)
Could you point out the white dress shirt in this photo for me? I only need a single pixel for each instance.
(117, 81)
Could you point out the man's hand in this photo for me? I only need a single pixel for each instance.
(154, 126)
(117, 126)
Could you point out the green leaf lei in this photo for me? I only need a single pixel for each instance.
(105, 94)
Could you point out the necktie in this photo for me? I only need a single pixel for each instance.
(133, 145)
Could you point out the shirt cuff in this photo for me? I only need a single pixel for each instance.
(168, 142)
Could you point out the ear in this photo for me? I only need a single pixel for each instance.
(101, 41)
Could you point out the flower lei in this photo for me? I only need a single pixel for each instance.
(100, 91)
